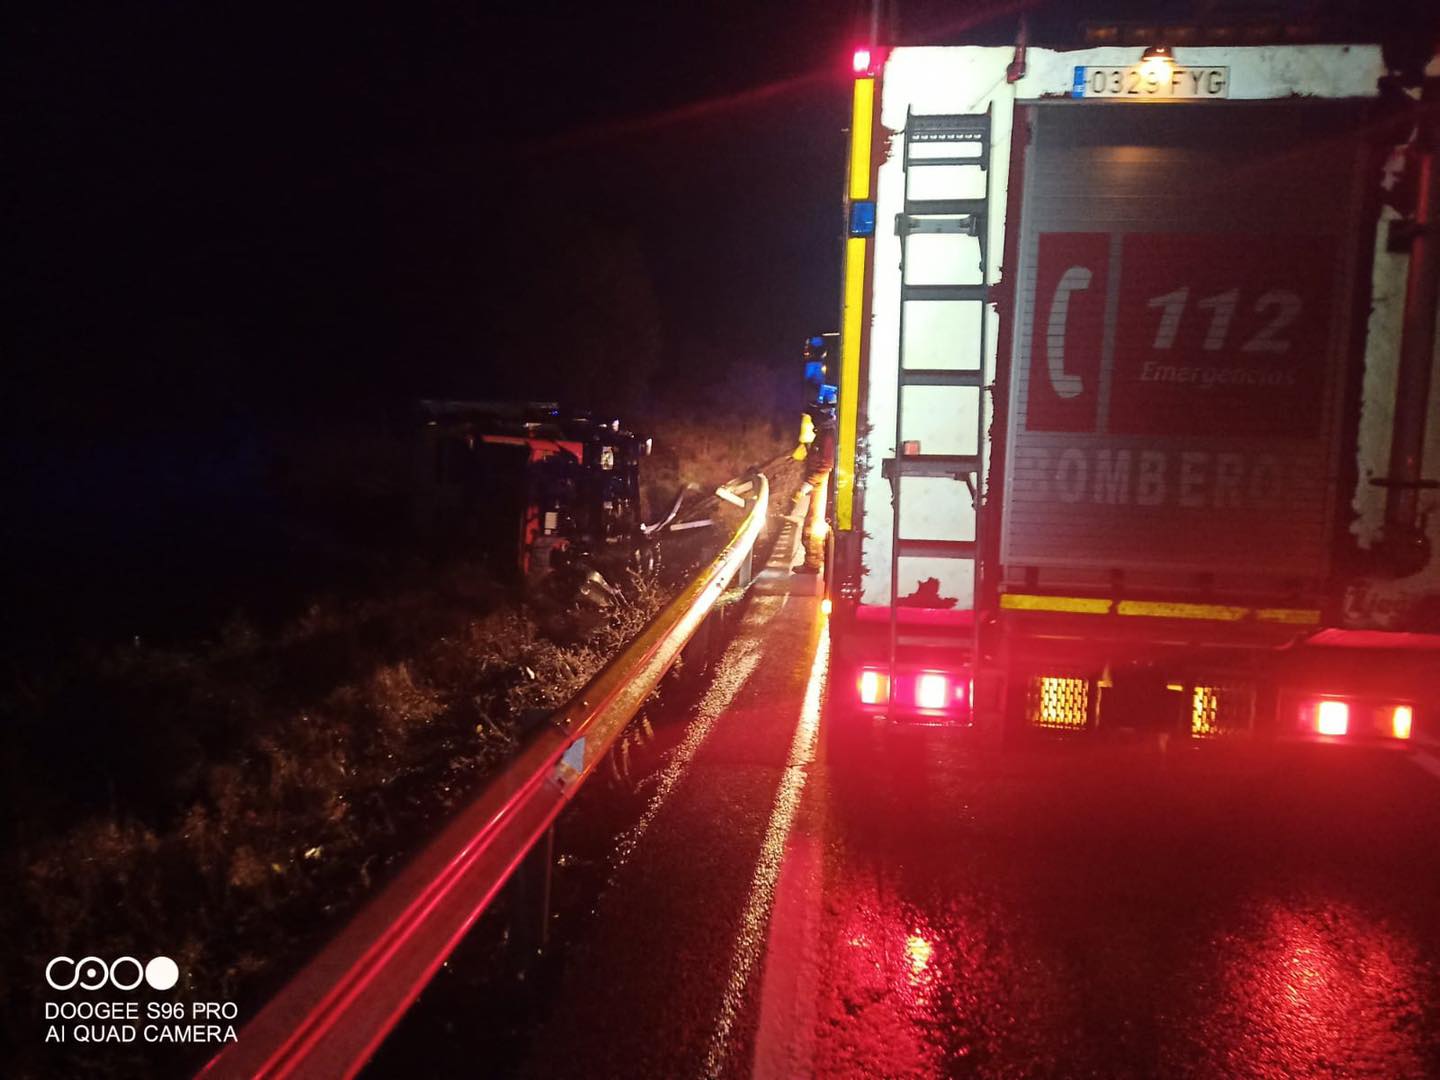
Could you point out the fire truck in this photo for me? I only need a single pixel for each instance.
(1136, 369)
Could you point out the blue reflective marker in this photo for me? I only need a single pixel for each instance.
(862, 218)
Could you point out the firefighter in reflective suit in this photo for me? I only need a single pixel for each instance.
(817, 449)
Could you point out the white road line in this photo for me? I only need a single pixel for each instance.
(789, 1004)
(732, 673)
(751, 940)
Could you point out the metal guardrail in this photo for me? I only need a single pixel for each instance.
(330, 1018)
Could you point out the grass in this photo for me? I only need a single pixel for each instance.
(237, 796)
(707, 456)
(223, 801)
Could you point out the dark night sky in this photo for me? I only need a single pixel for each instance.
(248, 207)
(305, 208)
(234, 221)
(231, 220)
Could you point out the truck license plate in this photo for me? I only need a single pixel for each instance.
(1152, 81)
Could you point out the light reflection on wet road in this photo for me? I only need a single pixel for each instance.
(915, 906)
(1299, 990)
(758, 905)
(1091, 911)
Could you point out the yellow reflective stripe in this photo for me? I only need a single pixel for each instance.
(1087, 605)
(1298, 616)
(862, 114)
(855, 257)
(1162, 609)
(852, 319)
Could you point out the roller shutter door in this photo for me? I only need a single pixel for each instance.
(1183, 315)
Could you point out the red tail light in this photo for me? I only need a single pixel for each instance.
(932, 691)
(860, 62)
(1332, 718)
(1401, 720)
(873, 686)
(936, 695)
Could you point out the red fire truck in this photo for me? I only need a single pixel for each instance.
(1136, 362)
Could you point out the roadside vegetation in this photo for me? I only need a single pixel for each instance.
(223, 800)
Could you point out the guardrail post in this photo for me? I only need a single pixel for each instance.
(531, 899)
(698, 652)
(547, 881)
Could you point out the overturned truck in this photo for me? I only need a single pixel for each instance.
(539, 489)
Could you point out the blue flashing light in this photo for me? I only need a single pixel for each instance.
(862, 218)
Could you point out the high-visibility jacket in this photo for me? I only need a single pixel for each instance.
(817, 441)
(807, 436)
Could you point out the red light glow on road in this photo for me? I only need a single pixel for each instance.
(1301, 986)
(919, 951)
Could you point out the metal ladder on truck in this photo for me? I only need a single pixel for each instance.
(942, 347)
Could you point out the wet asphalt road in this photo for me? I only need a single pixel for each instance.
(1103, 911)
(766, 890)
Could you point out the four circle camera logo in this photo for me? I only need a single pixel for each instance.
(123, 973)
